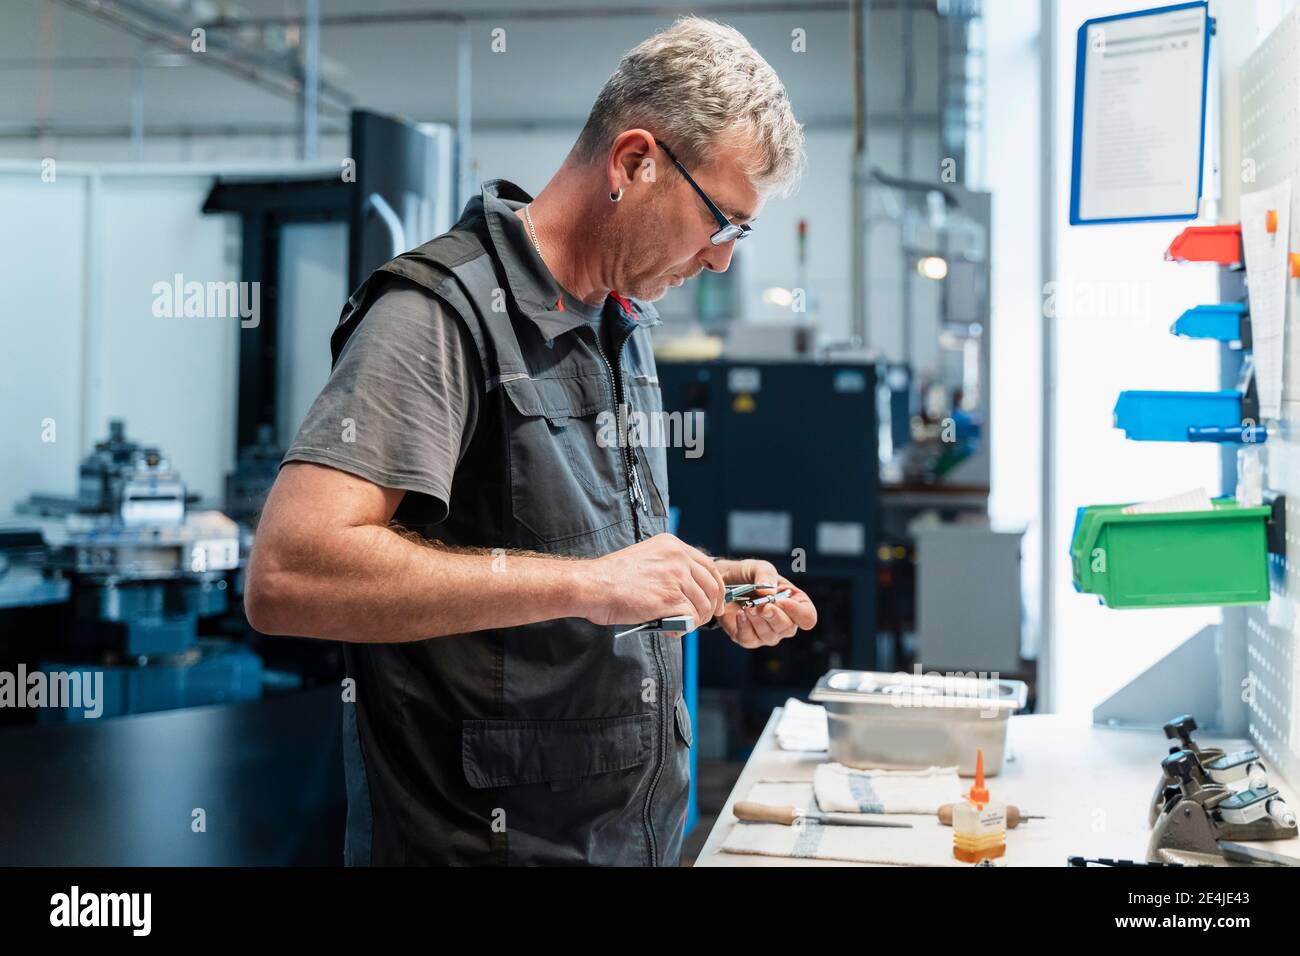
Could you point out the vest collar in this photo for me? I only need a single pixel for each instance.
(534, 290)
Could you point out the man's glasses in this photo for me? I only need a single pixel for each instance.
(727, 230)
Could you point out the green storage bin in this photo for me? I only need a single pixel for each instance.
(1179, 559)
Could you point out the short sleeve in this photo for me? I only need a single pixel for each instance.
(402, 401)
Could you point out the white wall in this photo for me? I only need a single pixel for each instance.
(1013, 175)
(1115, 298)
(82, 342)
(42, 267)
(172, 379)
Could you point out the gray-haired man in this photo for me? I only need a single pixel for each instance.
(497, 719)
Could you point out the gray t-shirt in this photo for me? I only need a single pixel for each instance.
(401, 403)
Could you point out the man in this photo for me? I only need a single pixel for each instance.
(451, 510)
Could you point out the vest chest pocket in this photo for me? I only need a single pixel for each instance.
(565, 481)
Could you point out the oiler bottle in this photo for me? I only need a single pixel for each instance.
(979, 824)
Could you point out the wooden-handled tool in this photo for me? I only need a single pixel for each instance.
(1014, 816)
(790, 816)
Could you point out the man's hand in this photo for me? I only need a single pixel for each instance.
(659, 577)
(770, 623)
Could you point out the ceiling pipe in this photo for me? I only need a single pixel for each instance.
(276, 74)
(623, 10)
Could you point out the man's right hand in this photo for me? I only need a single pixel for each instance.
(660, 577)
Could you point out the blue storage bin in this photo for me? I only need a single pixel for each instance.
(1220, 321)
(1167, 416)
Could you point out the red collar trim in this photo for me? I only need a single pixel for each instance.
(626, 305)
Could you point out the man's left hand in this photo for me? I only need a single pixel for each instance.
(770, 623)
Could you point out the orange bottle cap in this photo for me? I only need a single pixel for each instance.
(1270, 221)
(979, 793)
(1295, 265)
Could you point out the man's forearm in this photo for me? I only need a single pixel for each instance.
(372, 584)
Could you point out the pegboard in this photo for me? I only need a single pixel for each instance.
(1270, 151)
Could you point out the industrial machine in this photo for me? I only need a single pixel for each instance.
(126, 593)
(142, 569)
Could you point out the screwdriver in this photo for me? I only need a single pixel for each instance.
(1014, 816)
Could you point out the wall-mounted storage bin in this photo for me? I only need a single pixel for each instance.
(1221, 244)
(1224, 322)
(1167, 416)
(1176, 559)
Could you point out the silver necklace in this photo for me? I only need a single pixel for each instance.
(532, 230)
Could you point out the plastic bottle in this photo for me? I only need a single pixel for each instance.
(979, 824)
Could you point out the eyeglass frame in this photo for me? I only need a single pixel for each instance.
(727, 230)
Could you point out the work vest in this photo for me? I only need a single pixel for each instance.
(552, 743)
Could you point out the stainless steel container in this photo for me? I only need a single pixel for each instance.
(903, 721)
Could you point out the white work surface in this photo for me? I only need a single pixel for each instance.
(1092, 783)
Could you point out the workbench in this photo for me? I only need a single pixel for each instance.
(1092, 783)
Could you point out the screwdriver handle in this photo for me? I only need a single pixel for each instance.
(1013, 815)
(763, 813)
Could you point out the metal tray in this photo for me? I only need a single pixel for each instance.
(903, 721)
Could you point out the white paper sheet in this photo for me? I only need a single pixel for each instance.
(1266, 277)
(1198, 499)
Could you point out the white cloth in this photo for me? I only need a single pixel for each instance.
(926, 843)
(929, 847)
(802, 727)
(842, 789)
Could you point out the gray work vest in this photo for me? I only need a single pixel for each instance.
(553, 743)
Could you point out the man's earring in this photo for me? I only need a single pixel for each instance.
(615, 197)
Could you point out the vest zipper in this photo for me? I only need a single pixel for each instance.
(629, 457)
(618, 388)
(638, 495)
(664, 738)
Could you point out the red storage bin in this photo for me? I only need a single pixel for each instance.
(1221, 244)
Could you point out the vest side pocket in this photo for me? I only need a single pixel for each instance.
(569, 791)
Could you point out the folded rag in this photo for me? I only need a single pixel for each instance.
(927, 843)
(802, 727)
(842, 789)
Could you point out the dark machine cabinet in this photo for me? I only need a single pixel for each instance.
(788, 471)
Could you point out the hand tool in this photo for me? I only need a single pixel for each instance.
(1107, 861)
(1200, 817)
(664, 625)
(1241, 853)
(686, 622)
(792, 816)
(1214, 766)
(758, 602)
(1014, 816)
